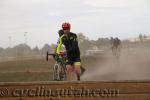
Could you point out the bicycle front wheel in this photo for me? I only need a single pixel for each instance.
(56, 70)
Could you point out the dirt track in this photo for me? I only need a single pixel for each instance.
(133, 64)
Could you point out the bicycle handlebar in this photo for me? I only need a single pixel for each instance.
(51, 54)
(47, 54)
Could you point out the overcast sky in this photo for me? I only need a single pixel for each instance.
(41, 19)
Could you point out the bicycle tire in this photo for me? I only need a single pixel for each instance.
(56, 72)
(59, 73)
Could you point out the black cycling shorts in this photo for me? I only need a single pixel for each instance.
(75, 61)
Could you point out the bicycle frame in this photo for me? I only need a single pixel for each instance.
(59, 69)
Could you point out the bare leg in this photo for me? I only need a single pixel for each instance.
(69, 72)
(78, 71)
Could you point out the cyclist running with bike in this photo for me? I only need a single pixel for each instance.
(69, 40)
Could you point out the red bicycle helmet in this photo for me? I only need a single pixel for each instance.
(66, 26)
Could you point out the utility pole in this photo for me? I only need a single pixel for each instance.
(25, 37)
(9, 37)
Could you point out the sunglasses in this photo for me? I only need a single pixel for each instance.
(66, 28)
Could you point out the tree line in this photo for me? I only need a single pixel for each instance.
(24, 50)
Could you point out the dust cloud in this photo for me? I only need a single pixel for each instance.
(133, 64)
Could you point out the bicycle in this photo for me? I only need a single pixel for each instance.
(59, 68)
